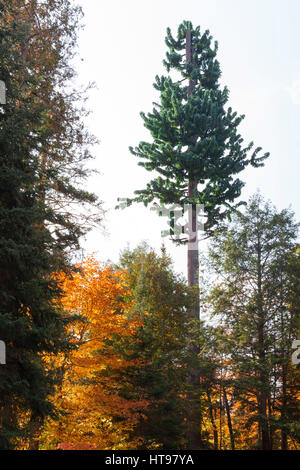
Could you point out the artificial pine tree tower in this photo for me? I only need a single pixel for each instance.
(195, 142)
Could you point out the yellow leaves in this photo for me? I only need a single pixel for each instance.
(101, 296)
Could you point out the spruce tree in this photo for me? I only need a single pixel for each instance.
(40, 168)
(196, 148)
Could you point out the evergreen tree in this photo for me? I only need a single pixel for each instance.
(195, 143)
(162, 299)
(37, 232)
(257, 300)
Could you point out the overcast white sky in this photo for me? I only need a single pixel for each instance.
(123, 48)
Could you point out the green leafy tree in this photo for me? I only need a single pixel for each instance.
(196, 148)
(161, 298)
(257, 300)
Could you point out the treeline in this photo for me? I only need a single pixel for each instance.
(126, 386)
(100, 356)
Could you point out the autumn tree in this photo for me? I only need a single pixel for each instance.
(93, 414)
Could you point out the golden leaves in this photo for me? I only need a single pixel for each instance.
(89, 398)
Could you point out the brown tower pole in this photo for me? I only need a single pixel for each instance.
(193, 255)
(193, 419)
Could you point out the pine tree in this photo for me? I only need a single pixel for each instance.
(195, 142)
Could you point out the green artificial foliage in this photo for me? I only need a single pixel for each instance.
(194, 134)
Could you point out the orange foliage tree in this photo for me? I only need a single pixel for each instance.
(93, 414)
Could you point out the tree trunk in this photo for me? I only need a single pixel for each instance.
(5, 422)
(263, 395)
(35, 429)
(229, 423)
(212, 420)
(270, 423)
(284, 441)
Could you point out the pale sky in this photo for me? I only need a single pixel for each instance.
(122, 48)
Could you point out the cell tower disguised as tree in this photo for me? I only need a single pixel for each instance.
(196, 148)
